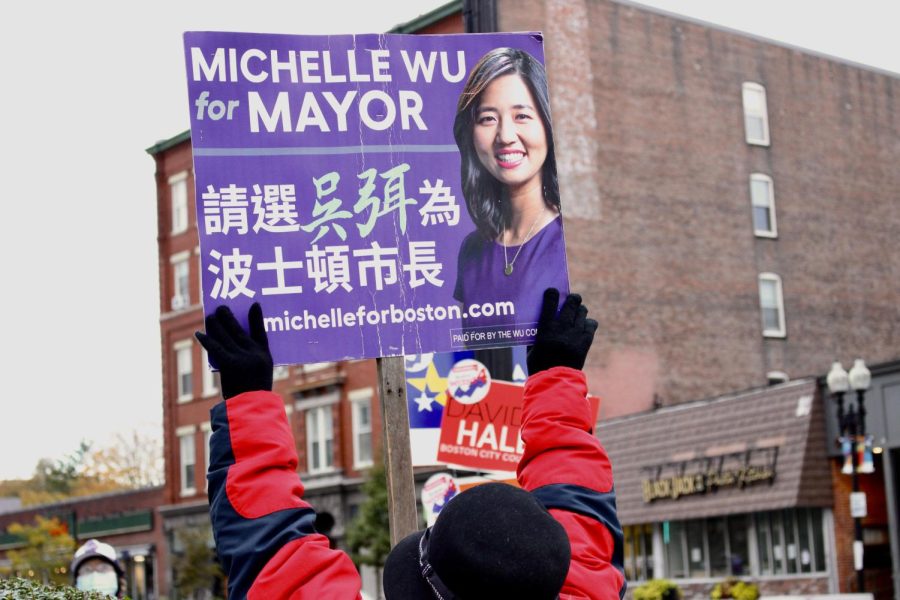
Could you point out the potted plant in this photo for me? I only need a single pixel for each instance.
(657, 589)
(735, 588)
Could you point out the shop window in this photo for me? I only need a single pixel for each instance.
(738, 547)
(762, 201)
(790, 542)
(179, 194)
(756, 114)
(676, 549)
(638, 552)
(718, 548)
(696, 551)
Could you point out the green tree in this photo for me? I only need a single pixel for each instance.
(368, 535)
(196, 569)
(47, 552)
(60, 475)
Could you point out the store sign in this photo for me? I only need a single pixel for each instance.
(709, 474)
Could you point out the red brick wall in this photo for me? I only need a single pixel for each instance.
(449, 24)
(844, 534)
(654, 173)
(104, 506)
(181, 325)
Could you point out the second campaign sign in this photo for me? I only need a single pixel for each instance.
(378, 195)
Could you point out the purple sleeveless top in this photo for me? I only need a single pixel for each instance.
(481, 278)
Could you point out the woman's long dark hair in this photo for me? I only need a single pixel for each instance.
(487, 198)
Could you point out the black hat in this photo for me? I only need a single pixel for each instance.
(492, 541)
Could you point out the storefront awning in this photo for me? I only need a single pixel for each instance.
(754, 451)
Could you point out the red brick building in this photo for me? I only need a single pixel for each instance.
(730, 209)
(128, 520)
(731, 204)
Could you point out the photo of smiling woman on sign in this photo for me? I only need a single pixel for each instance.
(509, 181)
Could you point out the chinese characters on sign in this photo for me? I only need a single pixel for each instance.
(328, 188)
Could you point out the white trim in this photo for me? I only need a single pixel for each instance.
(207, 454)
(316, 401)
(179, 204)
(178, 347)
(328, 418)
(360, 394)
(210, 388)
(192, 443)
(355, 432)
(313, 367)
(781, 332)
(763, 113)
(779, 376)
(773, 233)
(180, 176)
(659, 563)
(829, 542)
(281, 372)
(288, 409)
(179, 256)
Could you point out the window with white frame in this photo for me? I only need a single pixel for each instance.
(756, 114)
(361, 402)
(319, 439)
(179, 193)
(762, 200)
(210, 385)
(206, 428)
(317, 406)
(181, 295)
(184, 369)
(188, 459)
(771, 303)
(313, 367)
(280, 372)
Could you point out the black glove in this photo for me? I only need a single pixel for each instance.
(244, 361)
(561, 341)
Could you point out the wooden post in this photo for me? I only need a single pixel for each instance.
(397, 456)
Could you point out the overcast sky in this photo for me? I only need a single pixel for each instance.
(88, 87)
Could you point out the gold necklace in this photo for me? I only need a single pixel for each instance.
(508, 269)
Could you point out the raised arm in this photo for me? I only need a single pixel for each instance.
(263, 529)
(564, 465)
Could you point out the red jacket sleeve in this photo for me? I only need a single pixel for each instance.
(566, 468)
(263, 528)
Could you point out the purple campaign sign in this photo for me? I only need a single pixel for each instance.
(339, 186)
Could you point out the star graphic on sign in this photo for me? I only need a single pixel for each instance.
(432, 384)
(424, 401)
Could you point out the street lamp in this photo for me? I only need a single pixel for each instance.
(852, 425)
